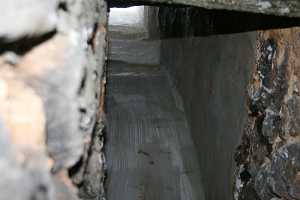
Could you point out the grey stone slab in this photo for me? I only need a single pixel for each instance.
(275, 7)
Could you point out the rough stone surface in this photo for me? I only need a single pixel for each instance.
(52, 56)
(268, 158)
(22, 18)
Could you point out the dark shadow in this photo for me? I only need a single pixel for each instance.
(25, 44)
(191, 21)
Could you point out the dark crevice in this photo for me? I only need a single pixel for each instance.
(91, 40)
(83, 81)
(25, 44)
(63, 6)
(245, 176)
(82, 110)
(76, 169)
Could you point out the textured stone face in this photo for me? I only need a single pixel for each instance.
(52, 56)
(20, 18)
(280, 177)
(269, 153)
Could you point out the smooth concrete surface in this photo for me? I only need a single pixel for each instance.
(212, 74)
(135, 51)
(149, 150)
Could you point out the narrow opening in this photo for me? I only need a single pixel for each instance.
(176, 93)
(127, 22)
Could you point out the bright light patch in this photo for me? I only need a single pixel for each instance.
(132, 16)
